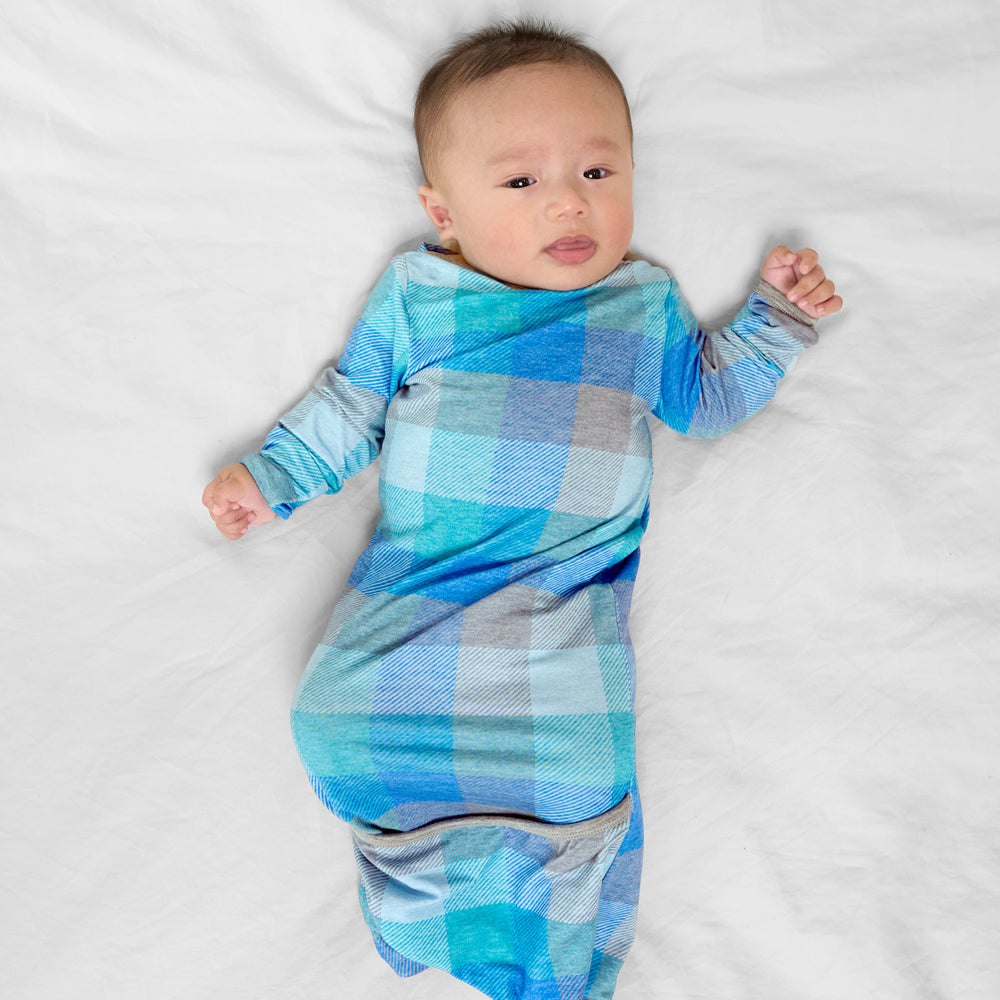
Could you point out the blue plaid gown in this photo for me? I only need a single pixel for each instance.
(470, 709)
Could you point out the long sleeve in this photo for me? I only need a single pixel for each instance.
(710, 383)
(337, 429)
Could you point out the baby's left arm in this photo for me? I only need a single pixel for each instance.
(799, 277)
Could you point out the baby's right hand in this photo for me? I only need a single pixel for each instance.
(235, 502)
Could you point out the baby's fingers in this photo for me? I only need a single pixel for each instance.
(807, 261)
(219, 496)
(208, 494)
(234, 522)
(820, 301)
(826, 306)
(807, 284)
(780, 256)
(228, 513)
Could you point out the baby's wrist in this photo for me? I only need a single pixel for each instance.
(777, 299)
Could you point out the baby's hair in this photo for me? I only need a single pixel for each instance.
(487, 52)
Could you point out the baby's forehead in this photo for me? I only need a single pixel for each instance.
(486, 89)
(483, 102)
(508, 87)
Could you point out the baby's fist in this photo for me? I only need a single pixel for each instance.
(801, 279)
(235, 502)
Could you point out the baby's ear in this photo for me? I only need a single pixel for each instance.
(437, 211)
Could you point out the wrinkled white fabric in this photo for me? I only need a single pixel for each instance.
(196, 199)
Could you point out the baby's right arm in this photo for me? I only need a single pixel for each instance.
(235, 502)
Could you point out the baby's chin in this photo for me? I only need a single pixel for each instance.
(570, 279)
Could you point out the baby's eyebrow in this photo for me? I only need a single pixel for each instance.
(593, 147)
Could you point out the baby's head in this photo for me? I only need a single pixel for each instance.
(525, 140)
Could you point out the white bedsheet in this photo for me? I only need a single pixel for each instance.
(195, 199)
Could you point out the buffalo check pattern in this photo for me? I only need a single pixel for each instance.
(470, 710)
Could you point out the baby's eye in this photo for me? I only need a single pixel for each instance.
(519, 182)
(596, 173)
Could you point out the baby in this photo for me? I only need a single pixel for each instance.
(470, 710)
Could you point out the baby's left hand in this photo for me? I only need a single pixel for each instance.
(799, 277)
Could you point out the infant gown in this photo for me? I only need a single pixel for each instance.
(470, 710)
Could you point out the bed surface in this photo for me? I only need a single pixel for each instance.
(195, 200)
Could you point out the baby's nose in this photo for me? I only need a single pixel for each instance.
(567, 201)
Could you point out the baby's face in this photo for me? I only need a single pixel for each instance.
(534, 178)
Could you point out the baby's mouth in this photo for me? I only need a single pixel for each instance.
(572, 249)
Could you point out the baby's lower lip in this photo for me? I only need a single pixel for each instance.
(572, 250)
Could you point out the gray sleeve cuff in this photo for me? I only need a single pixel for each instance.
(774, 298)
